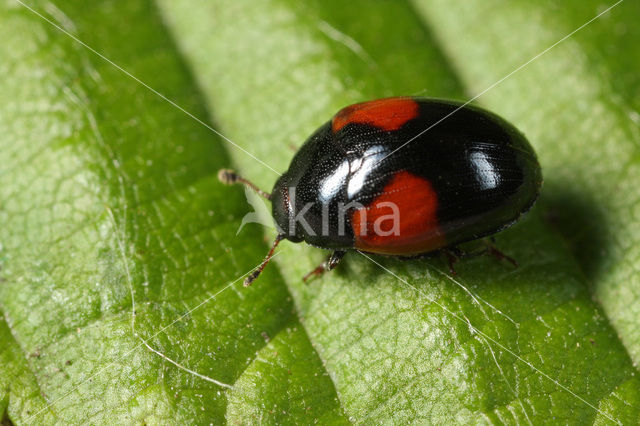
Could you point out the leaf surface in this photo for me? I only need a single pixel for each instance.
(116, 231)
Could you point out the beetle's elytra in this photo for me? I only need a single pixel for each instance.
(372, 179)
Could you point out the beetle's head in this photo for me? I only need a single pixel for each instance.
(281, 209)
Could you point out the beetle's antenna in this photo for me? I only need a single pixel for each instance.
(229, 177)
(252, 276)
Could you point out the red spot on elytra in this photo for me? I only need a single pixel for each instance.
(387, 114)
(416, 229)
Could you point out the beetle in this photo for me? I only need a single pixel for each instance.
(402, 176)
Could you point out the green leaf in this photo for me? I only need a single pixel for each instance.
(110, 191)
(121, 265)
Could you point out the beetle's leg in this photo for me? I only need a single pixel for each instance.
(492, 250)
(256, 272)
(331, 262)
(452, 254)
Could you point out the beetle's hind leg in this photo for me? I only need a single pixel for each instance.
(453, 254)
(492, 250)
(331, 262)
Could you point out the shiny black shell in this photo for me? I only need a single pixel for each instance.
(469, 175)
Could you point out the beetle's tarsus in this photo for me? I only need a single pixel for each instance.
(256, 272)
(493, 251)
(332, 261)
(452, 255)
